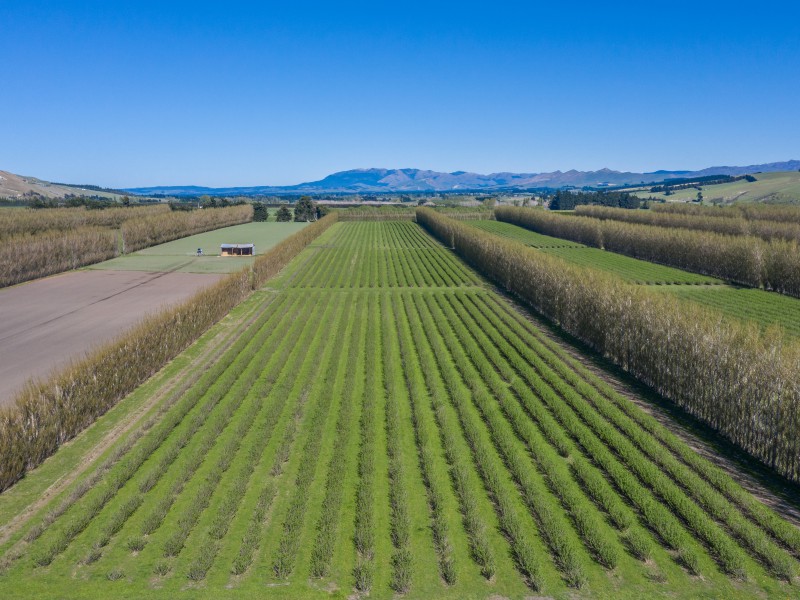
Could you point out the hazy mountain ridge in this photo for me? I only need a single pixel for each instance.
(377, 180)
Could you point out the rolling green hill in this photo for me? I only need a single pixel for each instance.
(781, 186)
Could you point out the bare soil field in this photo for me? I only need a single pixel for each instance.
(46, 323)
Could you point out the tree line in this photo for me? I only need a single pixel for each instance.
(729, 374)
(743, 259)
(732, 223)
(568, 200)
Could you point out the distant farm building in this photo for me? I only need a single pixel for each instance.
(237, 249)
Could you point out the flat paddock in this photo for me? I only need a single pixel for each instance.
(46, 323)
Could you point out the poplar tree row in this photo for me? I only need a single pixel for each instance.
(728, 374)
(732, 223)
(743, 259)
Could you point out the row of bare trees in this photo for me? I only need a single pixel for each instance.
(48, 413)
(742, 259)
(29, 221)
(738, 380)
(731, 223)
(160, 228)
(751, 212)
(39, 253)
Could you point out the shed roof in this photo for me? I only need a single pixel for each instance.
(237, 245)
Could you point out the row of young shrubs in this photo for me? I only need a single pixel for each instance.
(731, 223)
(739, 381)
(742, 259)
(48, 413)
(35, 254)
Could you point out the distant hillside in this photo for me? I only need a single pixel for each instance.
(16, 186)
(780, 186)
(418, 180)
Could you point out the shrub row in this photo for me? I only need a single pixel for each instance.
(331, 363)
(488, 394)
(729, 375)
(488, 464)
(743, 259)
(47, 414)
(484, 344)
(364, 535)
(325, 543)
(433, 475)
(398, 494)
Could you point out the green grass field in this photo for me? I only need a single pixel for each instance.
(181, 255)
(780, 186)
(765, 308)
(389, 425)
(630, 269)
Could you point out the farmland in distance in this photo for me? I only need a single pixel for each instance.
(389, 424)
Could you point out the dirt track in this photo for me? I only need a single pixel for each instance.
(47, 322)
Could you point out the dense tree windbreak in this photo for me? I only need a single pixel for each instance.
(743, 259)
(68, 244)
(731, 376)
(568, 200)
(19, 222)
(751, 211)
(46, 414)
(716, 220)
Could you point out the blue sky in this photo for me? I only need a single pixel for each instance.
(123, 93)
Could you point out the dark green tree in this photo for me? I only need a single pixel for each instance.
(304, 209)
(283, 214)
(260, 212)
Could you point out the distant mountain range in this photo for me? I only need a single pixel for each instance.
(370, 181)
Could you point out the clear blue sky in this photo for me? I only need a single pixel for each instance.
(126, 93)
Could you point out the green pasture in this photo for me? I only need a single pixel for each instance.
(781, 186)
(181, 255)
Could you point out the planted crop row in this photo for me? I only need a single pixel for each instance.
(364, 534)
(433, 472)
(117, 477)
(476, 337)
(725, 373)
(514, 524)
(375, 258)
(274, 391)
(398, 493)
(706, 483)
(350, 389)
(590, 405)
(554, 529)
(330, 365)
(466, 487)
